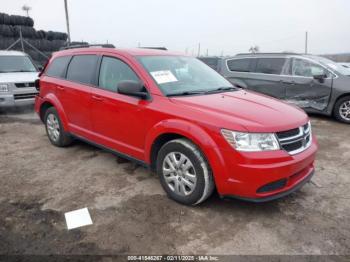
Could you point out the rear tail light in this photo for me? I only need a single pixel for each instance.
(37, 84)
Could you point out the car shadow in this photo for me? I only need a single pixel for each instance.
(18, 110)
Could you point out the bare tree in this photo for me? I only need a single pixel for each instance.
(254, 49)
(26, 9)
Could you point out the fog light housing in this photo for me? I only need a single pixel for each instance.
(4, 88)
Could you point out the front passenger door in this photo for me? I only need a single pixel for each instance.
(305, 91)
(117, 119)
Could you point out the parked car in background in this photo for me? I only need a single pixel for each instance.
(316, 84)
(17, 77)
(174, 114)
(346, 65)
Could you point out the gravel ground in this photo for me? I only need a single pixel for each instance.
(132, 215)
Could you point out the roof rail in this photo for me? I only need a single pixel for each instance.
(277, 53)
(155, 47)
(85, 46)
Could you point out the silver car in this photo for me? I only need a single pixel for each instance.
(17, 77)
(314, 83)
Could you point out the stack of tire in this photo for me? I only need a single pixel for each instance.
(45, 41)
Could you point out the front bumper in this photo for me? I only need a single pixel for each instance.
(265, 176)
(11, 100)
(276, 195)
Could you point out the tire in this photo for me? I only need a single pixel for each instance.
(199, 175)
(341, 105)
(63, 138)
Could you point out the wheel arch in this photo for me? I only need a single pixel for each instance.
(43, 108)
(340, 97)
(168, 130)
(336, 101)
(52, 101)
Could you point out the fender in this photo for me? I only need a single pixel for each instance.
(51, 98)
(193, 132)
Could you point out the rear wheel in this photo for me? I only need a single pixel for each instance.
(55, 130)
(184, 173)
(342, 109)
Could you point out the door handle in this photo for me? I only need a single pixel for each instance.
(97, 98)
(60, 87)
(288, 82)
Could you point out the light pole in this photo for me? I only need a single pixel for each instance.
(306, 42)
(67, 21)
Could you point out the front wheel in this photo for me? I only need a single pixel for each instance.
(184, 173)
(342, 109)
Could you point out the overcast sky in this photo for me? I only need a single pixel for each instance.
(221, 26)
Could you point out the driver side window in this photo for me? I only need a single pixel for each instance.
(301, 67)
(113, 71)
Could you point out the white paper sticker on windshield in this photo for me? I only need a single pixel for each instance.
(163, 77)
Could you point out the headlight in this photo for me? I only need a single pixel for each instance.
(251, 142)
(4, 88)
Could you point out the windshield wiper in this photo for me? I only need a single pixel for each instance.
(187, 93)
(221, 89)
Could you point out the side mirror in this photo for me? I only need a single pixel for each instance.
(320, 78)
(132, 88)
(40, 68)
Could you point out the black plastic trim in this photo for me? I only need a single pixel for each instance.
(114, 152)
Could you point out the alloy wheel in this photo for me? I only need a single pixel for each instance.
(53, 127)
(179, 173)
(344, 110)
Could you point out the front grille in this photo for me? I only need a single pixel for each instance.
(24, 96)
(288, 133)
(21, 85)
(295, 140)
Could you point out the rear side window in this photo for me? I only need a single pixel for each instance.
(211, 61)
(270, 65)
(82, 69)
(240, 65)
(58, 66)
(113, 71)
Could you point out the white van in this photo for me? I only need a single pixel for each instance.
(17, 76)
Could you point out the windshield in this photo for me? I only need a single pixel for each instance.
(332, 65)
(16, 64)
(180, 75)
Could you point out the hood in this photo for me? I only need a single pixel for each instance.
(254, 112)
(18, 77)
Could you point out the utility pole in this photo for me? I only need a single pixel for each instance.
(207, 52)
(67, 20)
(21, 39)
(306, 41)
(199, 49)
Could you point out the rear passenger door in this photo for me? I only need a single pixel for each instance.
(263, 75)
(74, 92)
(118, 120)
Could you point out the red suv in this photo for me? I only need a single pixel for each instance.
(176, 115)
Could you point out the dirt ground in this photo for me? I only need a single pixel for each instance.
(132, 215)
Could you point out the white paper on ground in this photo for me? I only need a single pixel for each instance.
(78, 218)
(165, 76)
